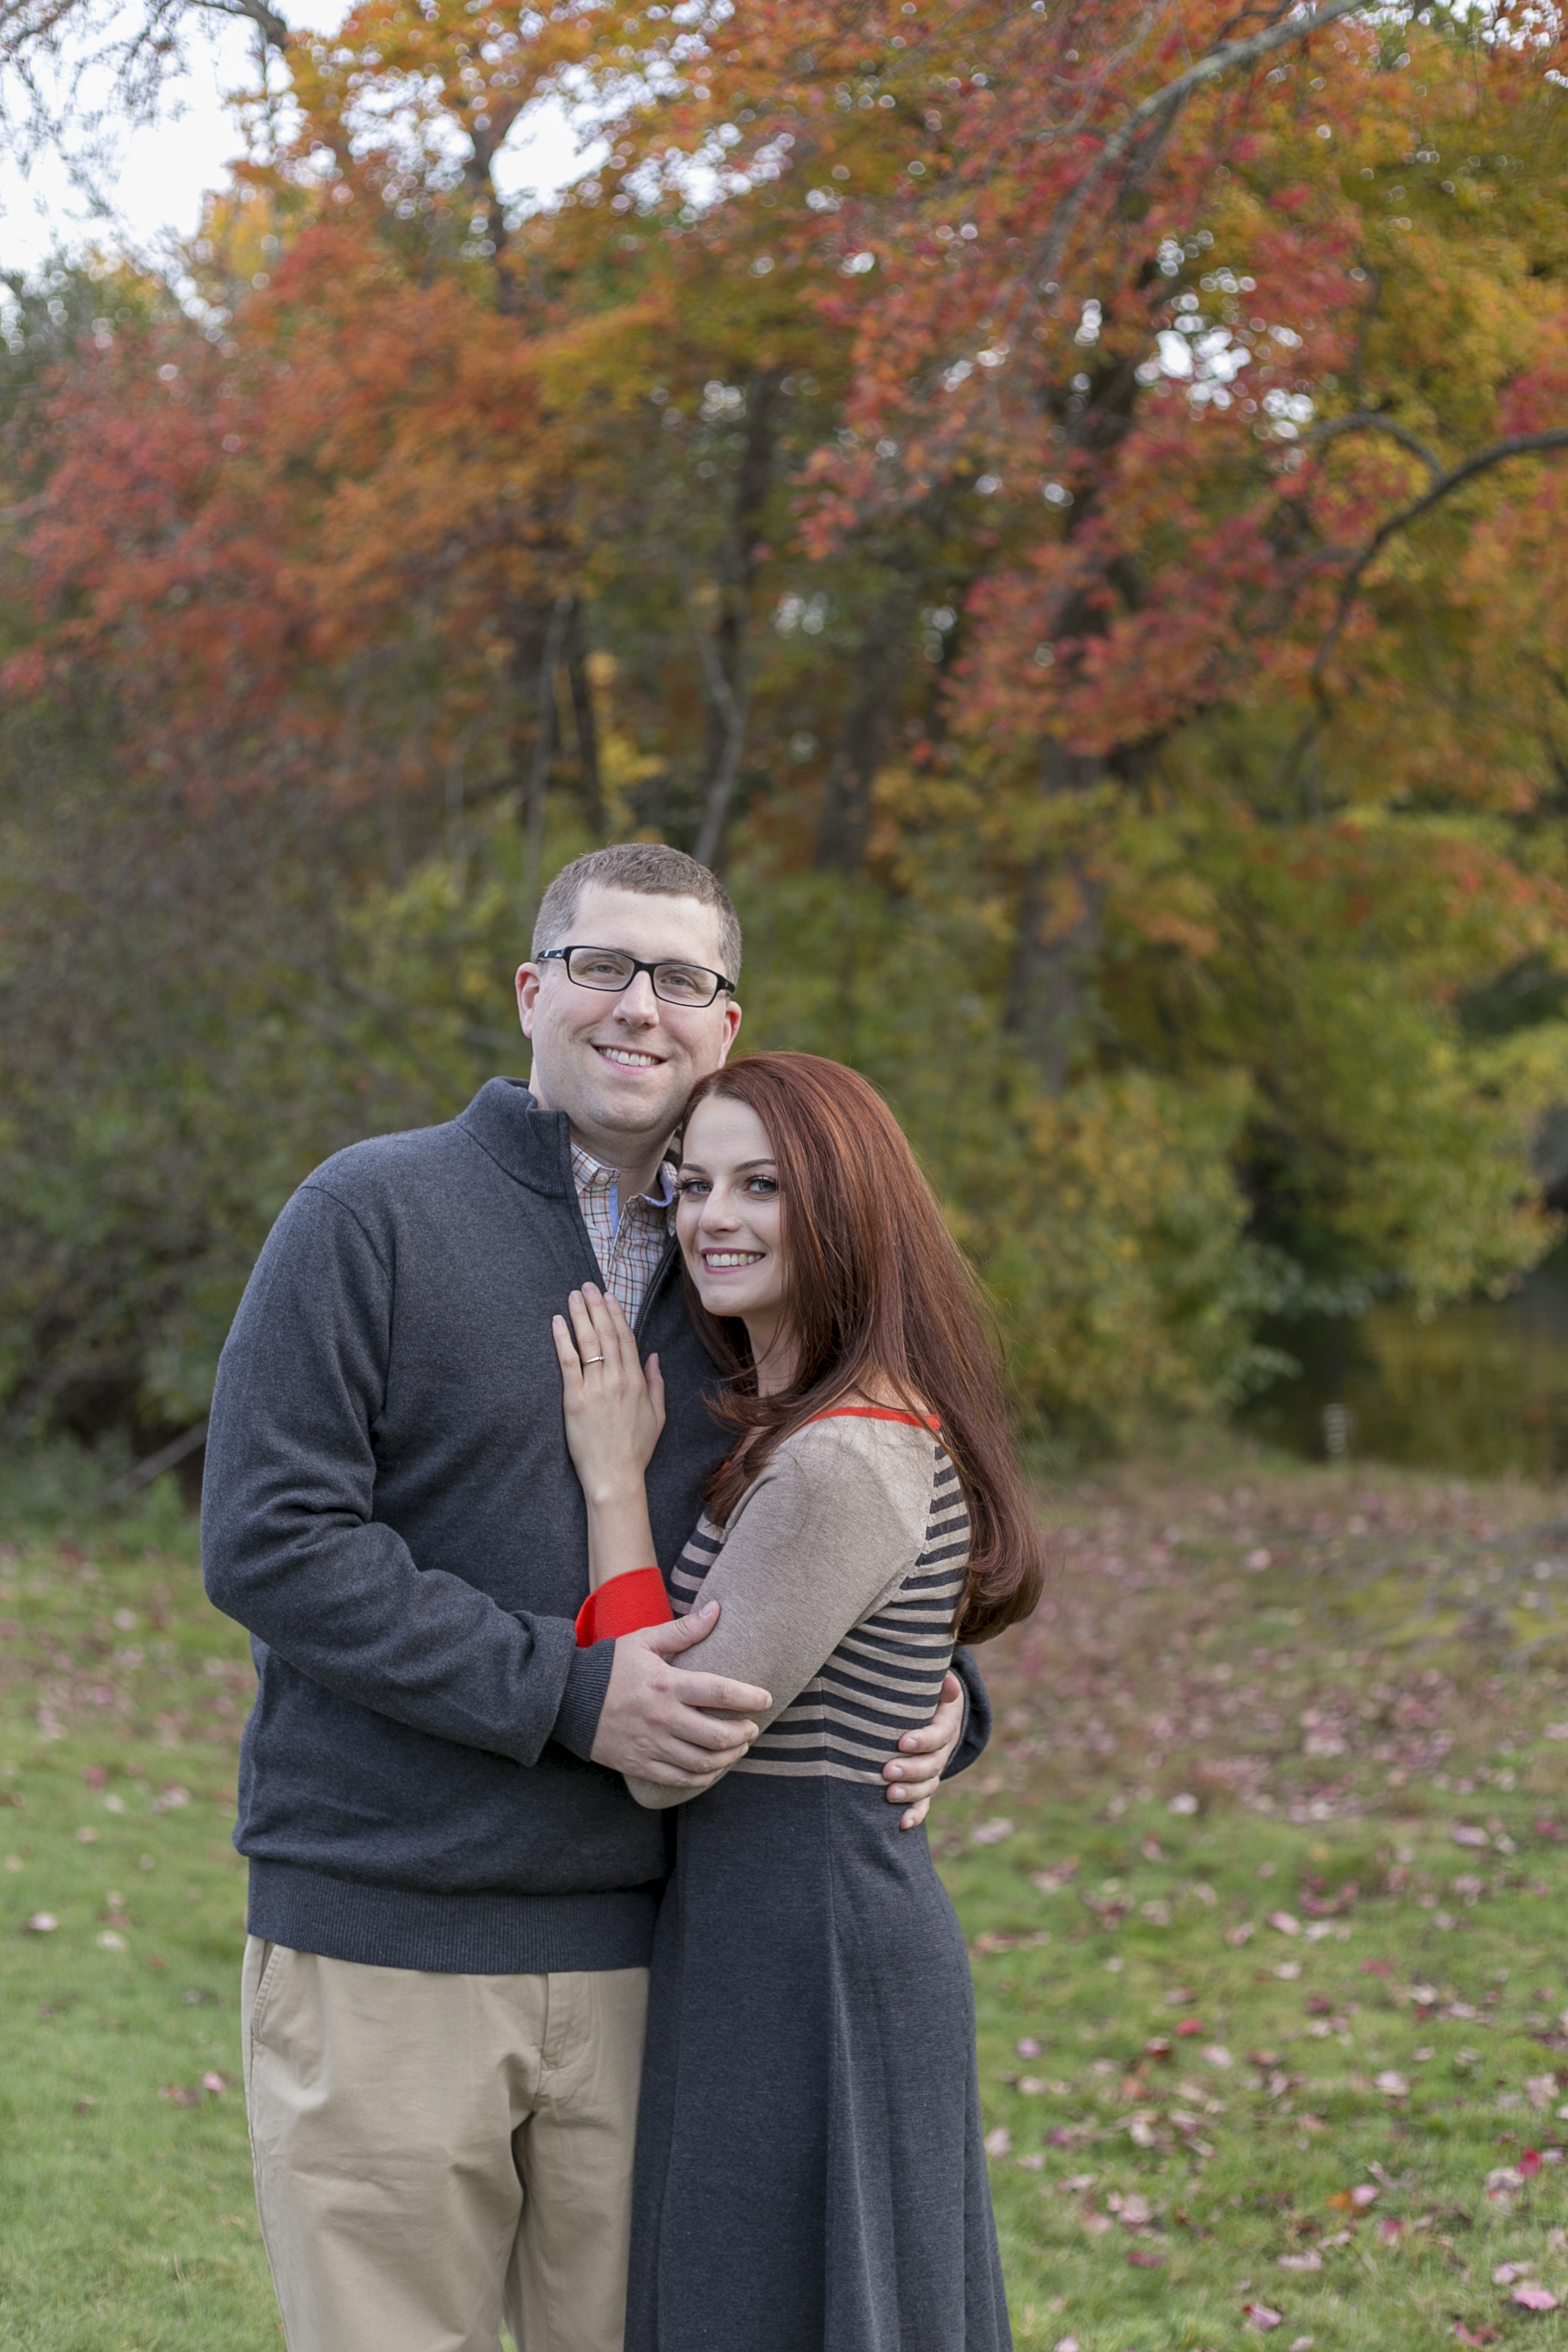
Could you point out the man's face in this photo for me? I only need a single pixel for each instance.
(622, 1066)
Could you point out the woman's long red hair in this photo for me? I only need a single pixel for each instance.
(881, 1305)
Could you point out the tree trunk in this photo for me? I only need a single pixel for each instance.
(858, 754)
(544, 751)
(1050, 989)
(584, 721)
(725, 653)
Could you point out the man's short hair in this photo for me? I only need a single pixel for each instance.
(652, 869)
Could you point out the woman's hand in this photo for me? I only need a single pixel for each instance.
(615, 1408)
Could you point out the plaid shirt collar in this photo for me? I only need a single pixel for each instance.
(629, 1241)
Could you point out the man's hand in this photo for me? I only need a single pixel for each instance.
(681, 1730)
(924, 1756)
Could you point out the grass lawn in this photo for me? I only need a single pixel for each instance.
(1263, 1882)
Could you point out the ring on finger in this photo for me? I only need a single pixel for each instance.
(591, 1360)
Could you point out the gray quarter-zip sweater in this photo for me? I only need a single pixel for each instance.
(390, 1509)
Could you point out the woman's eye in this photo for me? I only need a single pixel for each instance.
(690, 1188)
(765, 1185)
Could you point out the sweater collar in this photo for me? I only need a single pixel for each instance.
(533, 1145)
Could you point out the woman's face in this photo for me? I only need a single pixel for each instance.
(728, 1219)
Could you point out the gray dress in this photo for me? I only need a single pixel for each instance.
(810, 2176)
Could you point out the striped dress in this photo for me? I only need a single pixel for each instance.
(810, 2171)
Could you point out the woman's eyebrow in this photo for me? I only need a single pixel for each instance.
(743, 1165)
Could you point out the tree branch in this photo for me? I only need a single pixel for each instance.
(1369, 420)
(1520, 445)
(1227, 58)
(272, 26)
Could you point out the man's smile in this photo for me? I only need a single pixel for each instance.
(630, 1058)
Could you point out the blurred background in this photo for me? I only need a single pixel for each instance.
(1063, 505)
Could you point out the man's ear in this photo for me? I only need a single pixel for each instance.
(731, 1028)
(528, 979)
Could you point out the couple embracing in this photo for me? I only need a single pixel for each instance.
(604, 1478)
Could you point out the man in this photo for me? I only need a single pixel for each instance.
(452, 1892)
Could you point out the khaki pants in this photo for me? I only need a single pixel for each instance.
(436, 2153)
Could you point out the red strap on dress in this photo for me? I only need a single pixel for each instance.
(627, 1602)
(874, 1412)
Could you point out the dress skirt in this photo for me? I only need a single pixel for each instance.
(810, 2172)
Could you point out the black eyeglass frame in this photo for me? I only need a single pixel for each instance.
(564, 956)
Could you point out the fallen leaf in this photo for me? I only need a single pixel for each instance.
(1531, 2297)
(1377, 1968)
(1258, 2315)
(1392, 2085)
(1529, 2163)
(216, 2083)
(110, 1942)
(1541, 2089)
(1508, 2274)
(1310, 2261)
(998, 2142)
(1285, 1922)
(1190, 2025)
(42, 1923)
(1218, 2055)
(1467, 1834)
(1143, 2258)
(181, 2098)
(984, 1832)
(1186, 1803)
(1028, 2048)
(1474, 2334)
(1389, 2230)
(1052, 1881)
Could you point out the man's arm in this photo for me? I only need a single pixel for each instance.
(289, 1544)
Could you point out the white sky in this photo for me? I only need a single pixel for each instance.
(165, 170)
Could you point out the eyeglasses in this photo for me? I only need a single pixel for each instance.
(608, 969)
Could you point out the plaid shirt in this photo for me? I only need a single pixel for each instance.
(628, 1243)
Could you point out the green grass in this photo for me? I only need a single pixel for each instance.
(1327, 1721)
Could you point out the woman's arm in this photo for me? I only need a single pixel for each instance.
(614, 1412)
(835, 1521)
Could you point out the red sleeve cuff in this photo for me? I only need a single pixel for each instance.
(621, 1606)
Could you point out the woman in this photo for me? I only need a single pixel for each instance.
(810, 2171)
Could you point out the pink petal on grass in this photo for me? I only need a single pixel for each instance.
(214, 2082)
(1534, 2297)
(1258, 2315)
(42, 1923)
